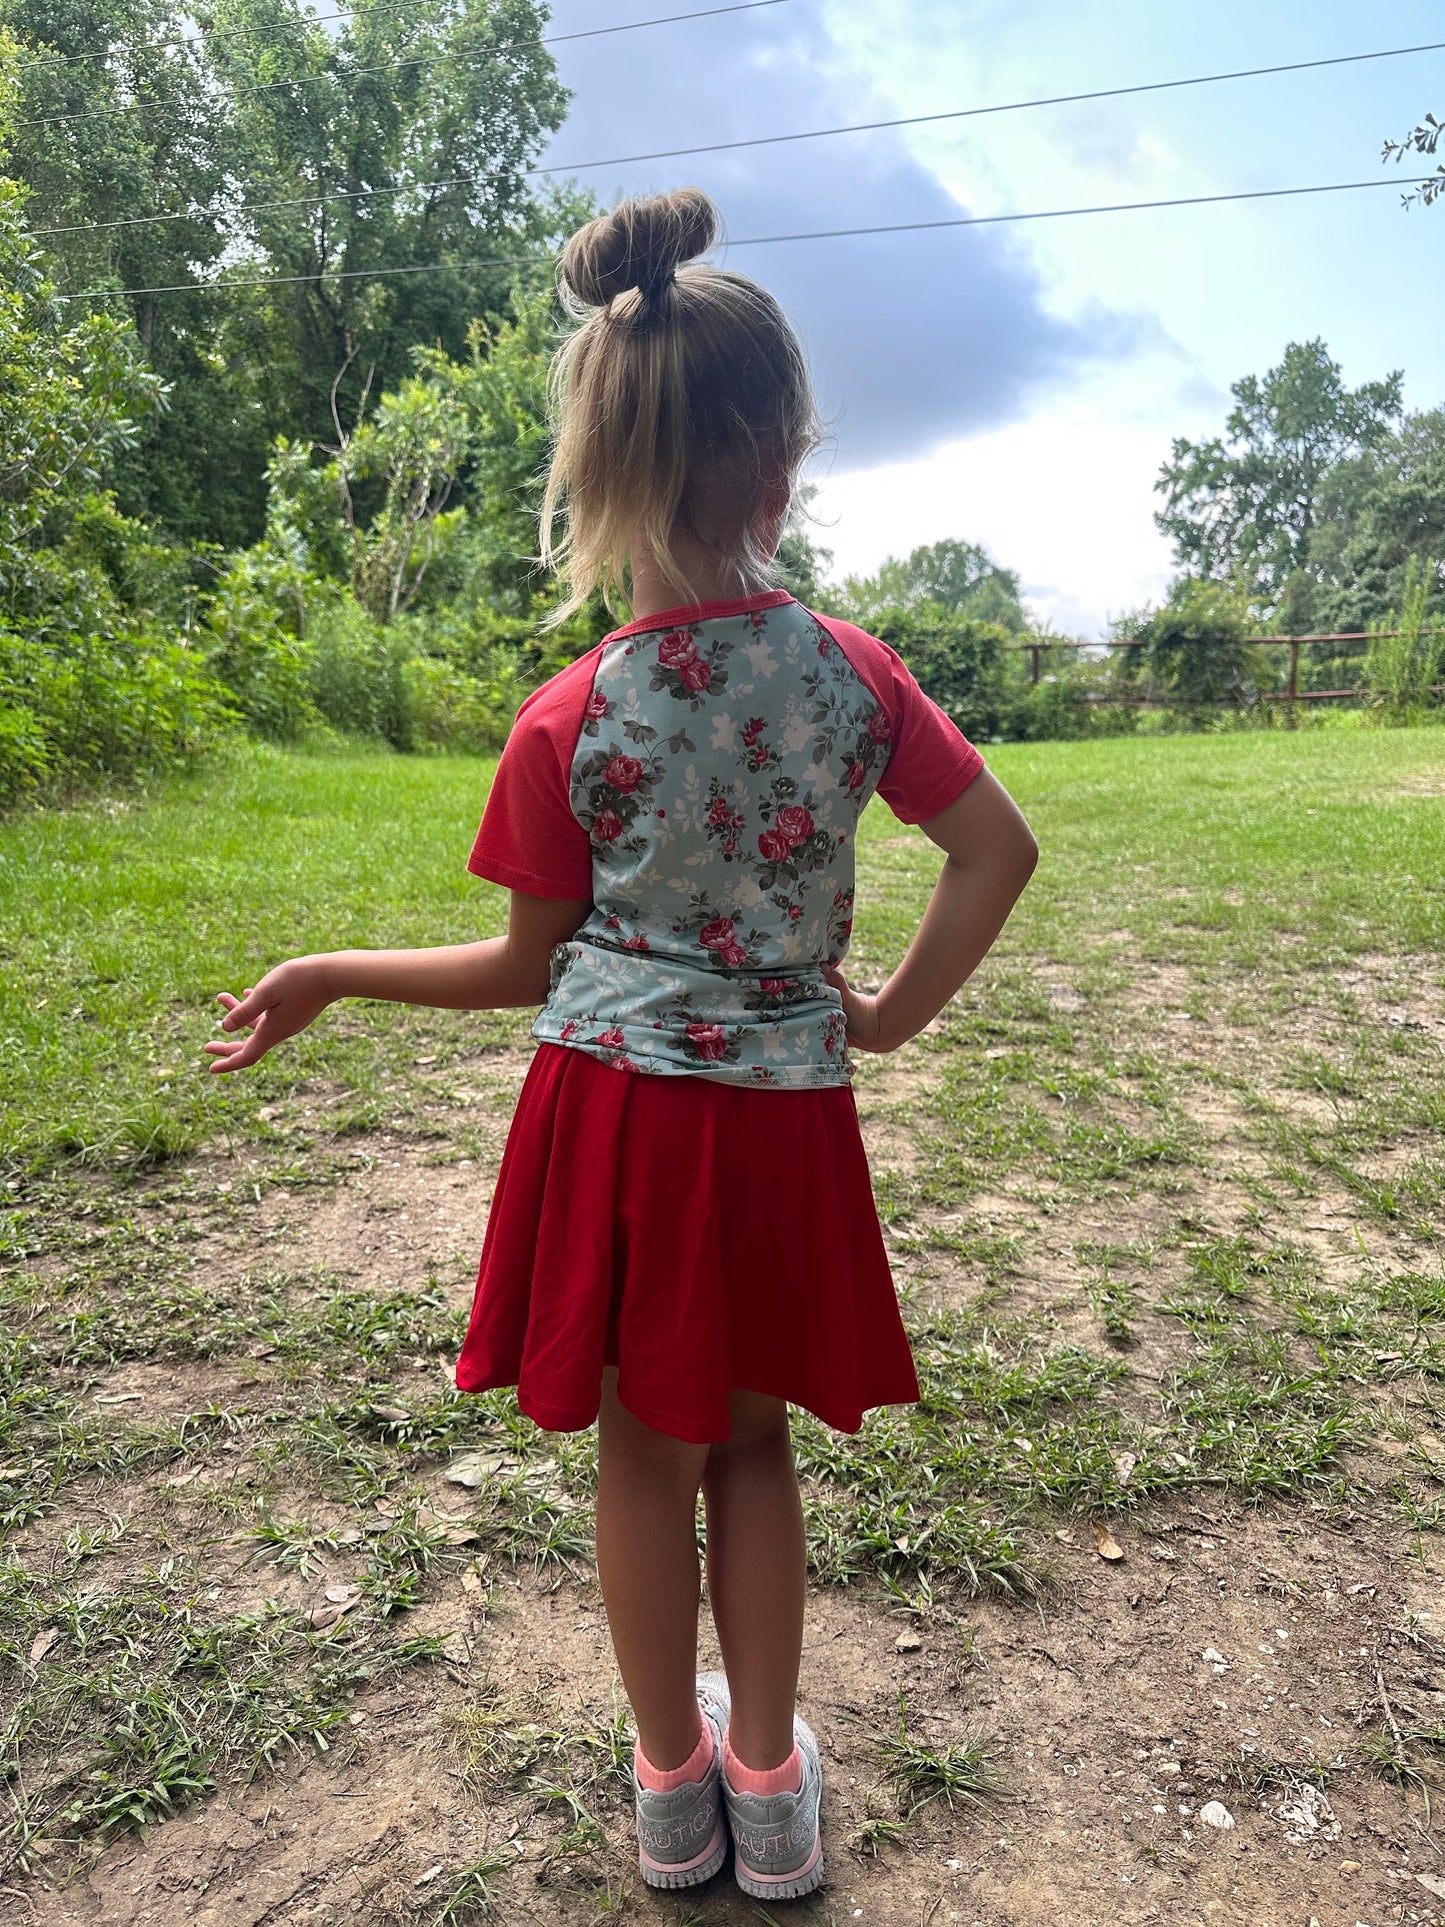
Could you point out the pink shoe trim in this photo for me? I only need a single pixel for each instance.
(780, 1879)
(686, 1866)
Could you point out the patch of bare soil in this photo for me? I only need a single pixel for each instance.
(1227, 1658)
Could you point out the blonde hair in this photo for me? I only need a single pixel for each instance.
(681, 403)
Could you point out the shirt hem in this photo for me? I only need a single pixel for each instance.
(512, 877)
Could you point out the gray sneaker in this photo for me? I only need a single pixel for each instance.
(777, 1845)
(682, 1836)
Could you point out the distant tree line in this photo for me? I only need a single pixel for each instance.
(307, 503)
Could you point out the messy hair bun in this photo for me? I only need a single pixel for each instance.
(640, 244)
(681, 406)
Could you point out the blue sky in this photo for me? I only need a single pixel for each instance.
(1019, 386)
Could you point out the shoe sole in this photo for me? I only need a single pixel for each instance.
(782, 1886)
(715, 1853)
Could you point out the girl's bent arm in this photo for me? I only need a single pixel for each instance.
(497, 973)
(991, 855)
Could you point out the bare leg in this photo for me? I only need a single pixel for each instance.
(756, 1562)
(647, 1486)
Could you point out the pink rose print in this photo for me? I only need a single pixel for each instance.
(597, 706)
(844, 930)
(772, 986)
(613, 1038)
(637, 943)
(677, 646)
(857, 775)
(879, 727)
(606, 826)
(716, 935)
(613, 923)
(709, 1041)
(623, 773)
(720, 813)
(570, 1030)
(795, 822)
(695, 674)
(733, 955)
(774, 846)
(730, 846)
(753, 730)
(795, 910)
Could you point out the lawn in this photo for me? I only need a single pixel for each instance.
(1164, 1192)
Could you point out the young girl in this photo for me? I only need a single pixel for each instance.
(683, 1238)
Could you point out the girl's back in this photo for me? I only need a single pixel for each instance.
(717, 760)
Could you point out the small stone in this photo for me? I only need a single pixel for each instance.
(908, 1643)
(1214, 1813)
(1349, 1866)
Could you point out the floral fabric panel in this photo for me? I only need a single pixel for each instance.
(720, 774)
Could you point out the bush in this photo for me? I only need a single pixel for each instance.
(957, 660)
(78, 708)
(1402, 669)
(356, 674)
(255, 628)
(1064, 704)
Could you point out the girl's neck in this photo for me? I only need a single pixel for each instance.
(708, 580)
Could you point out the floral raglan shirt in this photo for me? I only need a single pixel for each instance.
(700, 775)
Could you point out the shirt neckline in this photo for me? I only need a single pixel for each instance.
(690, 612)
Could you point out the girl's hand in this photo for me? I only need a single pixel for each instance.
(285, 1001)
(865, 1023)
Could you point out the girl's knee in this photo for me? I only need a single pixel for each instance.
(759, 1424)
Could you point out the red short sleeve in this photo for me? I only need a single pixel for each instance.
(931, 762)
(529, 839)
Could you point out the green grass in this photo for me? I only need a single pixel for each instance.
(120, 920)
(1116, 1305)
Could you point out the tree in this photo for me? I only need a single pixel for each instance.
(957, 659)
(399, 142)
(1375, 514)
(959, 576)
(1424, 139)
(1244, 505)
(270, 145)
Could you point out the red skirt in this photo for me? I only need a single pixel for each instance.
(702, 1237)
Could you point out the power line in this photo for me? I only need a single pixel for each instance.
(765, 140)
(419, 60)
(535, 262)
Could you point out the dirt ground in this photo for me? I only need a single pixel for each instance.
(1237, 1655)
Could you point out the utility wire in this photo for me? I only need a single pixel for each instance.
(758, 140)
(462, 59)
(534, 262)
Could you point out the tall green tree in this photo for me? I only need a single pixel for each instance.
(119, 134)
(1244, 505)
(399, 142)
(164, 143)
(1376, 513)
(959, 576)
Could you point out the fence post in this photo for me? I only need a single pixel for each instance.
(1292, 688)
(1036, 650)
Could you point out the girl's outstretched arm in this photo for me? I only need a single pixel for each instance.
(991, 855)
(492, 975)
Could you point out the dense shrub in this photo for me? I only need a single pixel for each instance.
(959, 661)
(78, 708)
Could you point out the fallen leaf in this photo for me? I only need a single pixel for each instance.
(908, 1643)
(472, 1469)
(471, 1579)
(118, 1398)
(42, 1644)
(391, 1414)
(1432, 1885)
(1065, 1536)
(461, 1536)
(184, 1478)
(424, 1879)
(1124, 1465)
(343, 1595)
(1105, 1544)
